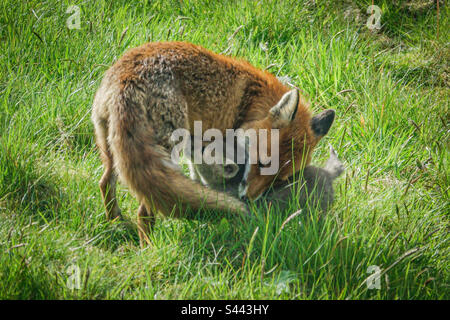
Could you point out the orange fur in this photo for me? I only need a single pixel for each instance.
(158, 87)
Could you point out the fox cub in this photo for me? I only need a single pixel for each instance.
(157, 88)
(314, 188)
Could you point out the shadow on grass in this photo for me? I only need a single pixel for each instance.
(23, 186)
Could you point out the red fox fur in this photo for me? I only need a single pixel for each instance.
(159, 87)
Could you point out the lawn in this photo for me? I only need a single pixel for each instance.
(390, 90)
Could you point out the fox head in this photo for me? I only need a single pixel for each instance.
(298, 134)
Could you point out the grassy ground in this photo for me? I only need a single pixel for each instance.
(391, 93)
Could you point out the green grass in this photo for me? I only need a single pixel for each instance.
(391, 93)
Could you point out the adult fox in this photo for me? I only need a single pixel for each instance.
(159, 87)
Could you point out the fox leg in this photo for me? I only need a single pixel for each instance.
(146, 219)
(108, 181)
(108, 189)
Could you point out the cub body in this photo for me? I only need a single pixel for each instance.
(314, 188)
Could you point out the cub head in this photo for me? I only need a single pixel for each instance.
(291, 136)
(226, 176)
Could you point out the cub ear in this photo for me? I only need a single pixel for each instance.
(284, 111)
(321, 123)
(334, 166)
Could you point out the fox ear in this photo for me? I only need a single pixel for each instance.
(321, 123)
(284, 111)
